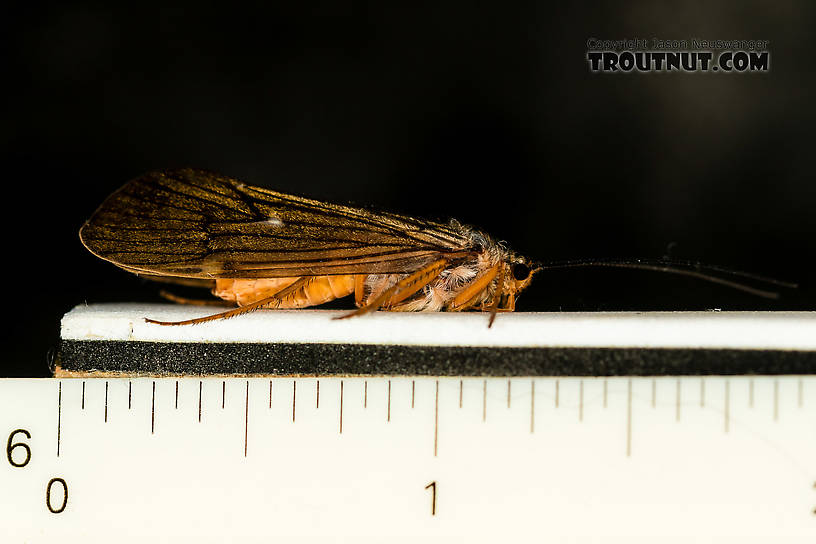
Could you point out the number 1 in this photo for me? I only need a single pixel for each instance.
(432, 485)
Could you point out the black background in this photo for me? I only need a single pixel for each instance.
(481, 112)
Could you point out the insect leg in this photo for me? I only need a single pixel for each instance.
(167, 295)
(497, 296)
(359, 289)
(468, 296)
(403, 289)
(277, 297)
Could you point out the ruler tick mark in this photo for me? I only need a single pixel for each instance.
(799, 393)
(294, 395)
(677, 404)
(106, 401)
(751, 393)
(317, 394)
(153, 409)
(270, 393)
(460, 393)
(436, 418)
(532, 406)
(581, 400)
(130, 386)
(83, 395)
(508, 393)
(629, 418)
(557, 388)
(727, 404)
(484, 400)
(341, 406)
(365, 394)
(413, 390)
(388, 416)
(176, 405)
(223, 393)
(59, 416)
(246, 417)
(200, 384)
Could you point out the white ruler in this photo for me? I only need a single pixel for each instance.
(691, 459)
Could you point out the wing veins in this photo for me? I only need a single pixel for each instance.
(195, 198)
(364, 217)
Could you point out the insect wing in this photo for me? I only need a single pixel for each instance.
(196, 224)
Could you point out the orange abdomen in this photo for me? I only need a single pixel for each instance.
(319, 290)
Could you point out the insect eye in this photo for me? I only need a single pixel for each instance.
(521, 271)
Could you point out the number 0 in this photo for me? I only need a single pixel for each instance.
(51, 482)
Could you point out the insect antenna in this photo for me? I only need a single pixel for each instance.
(711, 273)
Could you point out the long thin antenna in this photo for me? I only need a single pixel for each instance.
(710, 273)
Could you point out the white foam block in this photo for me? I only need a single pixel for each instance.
(713, 330)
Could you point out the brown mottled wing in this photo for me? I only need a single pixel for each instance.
(196, 224)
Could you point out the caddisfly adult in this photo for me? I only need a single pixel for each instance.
(258, 248)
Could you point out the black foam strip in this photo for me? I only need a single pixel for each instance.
(357, 359)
